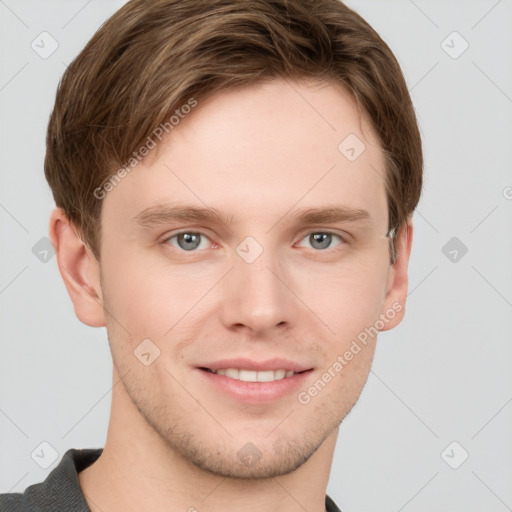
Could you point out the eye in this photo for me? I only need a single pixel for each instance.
(321, 240)
(187, 241)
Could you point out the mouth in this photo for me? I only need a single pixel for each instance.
(252, 375)
(252, 385)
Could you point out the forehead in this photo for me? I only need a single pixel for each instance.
(259, 151)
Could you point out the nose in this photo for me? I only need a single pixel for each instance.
(257, 297)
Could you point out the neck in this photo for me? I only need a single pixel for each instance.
(138, 470)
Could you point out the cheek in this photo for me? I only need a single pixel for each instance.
(346, 300)
(147, 297)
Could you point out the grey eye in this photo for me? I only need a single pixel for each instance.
(321, 240)
(187, 241)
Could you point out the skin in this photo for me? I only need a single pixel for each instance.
(257, 153)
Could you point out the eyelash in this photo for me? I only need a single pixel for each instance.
(340, 246)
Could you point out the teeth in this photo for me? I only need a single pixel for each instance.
(248, 375)
(281, 374)
(232, 373)
(270, 375)
(253, 376)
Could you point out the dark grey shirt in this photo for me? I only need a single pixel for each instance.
(61, 492)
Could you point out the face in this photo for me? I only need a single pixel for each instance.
(250, 244)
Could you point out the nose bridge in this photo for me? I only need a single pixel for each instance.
(257, 296)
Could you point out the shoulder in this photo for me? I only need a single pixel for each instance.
(13, 502)
(59, 491)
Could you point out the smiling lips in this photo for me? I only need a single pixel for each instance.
(252, 375)
(248, 370)
(251, 382)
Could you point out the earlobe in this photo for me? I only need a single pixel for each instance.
(79, 269)
(398, 281)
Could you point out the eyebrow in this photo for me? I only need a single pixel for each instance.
(164, 214)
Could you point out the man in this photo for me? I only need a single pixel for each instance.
(234, 183)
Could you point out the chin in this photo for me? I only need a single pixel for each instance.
(259, 458)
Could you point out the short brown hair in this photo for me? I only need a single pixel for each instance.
(151, 57)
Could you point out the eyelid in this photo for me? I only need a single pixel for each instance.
(167, 238)
(345, 237)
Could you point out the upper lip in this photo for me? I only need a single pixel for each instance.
(276, 363)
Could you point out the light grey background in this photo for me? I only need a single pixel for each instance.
(443, 375)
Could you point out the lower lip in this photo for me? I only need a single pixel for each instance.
(256, 392)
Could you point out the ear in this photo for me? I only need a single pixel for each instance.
(398, 280)
(79, 269)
